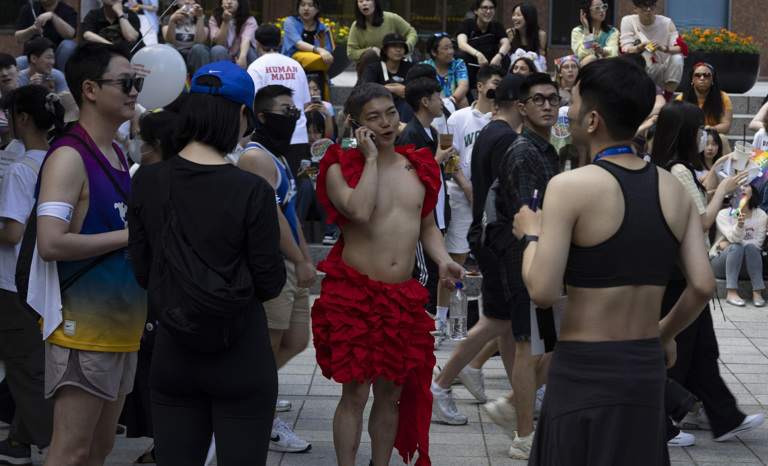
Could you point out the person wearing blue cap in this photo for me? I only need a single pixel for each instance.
(228, 218)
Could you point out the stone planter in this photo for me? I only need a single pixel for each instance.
(736, 72)
(340, 61)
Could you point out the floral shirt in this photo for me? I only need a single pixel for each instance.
(457, 71)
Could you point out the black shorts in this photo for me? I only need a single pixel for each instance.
(604, 406)
(517, 309)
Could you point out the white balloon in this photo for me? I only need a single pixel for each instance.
(164, 72)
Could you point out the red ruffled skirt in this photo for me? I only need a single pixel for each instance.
(365, 329)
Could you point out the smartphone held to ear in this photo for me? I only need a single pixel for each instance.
(356, 126)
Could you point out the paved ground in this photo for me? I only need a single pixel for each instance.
(743, 338)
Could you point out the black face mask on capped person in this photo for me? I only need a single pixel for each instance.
(276, 131)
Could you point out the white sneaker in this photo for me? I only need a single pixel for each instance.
(474, 381)
(695, 421)
(444, 407)
(752, 421)
(503, 414)
(284, 440)
(539, 400)
(683, 439)
(521, 447)
(441, 327)
(329, 240)
(282, 406)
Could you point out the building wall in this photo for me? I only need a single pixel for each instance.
(747, 16)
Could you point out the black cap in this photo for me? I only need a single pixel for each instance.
(508, 88)
(392, 38)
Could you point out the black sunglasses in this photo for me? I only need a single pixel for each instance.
(126, 83)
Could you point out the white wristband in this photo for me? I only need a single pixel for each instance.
(60, 210)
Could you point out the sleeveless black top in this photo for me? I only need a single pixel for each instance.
(643, 251)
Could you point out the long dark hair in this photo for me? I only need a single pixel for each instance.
(532, 29)
(243, 13)
(713, 103)
(45, 109)
(719, 142)
(317, 5)
(676, 131)
(585, 6)
(378, 15)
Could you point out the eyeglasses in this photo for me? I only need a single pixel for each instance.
(648, 6)
(290, 112)
(602, 7)
(539, 99)
(487, 9)
(126, 83)
(702, 75)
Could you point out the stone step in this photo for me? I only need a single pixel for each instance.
(745, 289)
(319, 252)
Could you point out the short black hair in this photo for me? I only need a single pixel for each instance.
(268, 35)
(316, 120)
(486, 72)
(317, 6)
(7, 60)
(37, 46)
(361, 95)
(89, 62)
(420, 88)
(534, 79)
(209, 119)
(265, 98)
(33, 99)
(421, 70)
(433, 42)
(635, 58)
(620, 92)
(642, 3)
(477, 3)
(158, 127)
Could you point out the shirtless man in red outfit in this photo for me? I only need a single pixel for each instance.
(368, 324)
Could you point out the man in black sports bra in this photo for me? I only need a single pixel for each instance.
(614, 230)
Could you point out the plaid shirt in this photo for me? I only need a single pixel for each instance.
(529, 164)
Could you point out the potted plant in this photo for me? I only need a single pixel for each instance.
(735, 58)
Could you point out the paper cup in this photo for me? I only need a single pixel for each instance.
(589, 39)
(743, 152)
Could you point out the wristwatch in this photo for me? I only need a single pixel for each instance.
(124, 15)
(531, 239)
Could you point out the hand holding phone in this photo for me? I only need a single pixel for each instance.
(356, 127)
(316, 99)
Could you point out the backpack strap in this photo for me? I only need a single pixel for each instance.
(31, 163)
(101, 164)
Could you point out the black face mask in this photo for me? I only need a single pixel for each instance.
(276, 131)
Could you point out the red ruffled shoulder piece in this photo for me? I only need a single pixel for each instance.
(683, 46)
(352, 162)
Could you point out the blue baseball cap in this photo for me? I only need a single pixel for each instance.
(236, 84)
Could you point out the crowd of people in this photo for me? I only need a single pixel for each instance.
(159, 278)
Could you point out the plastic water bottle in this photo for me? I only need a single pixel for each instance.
(457, 315)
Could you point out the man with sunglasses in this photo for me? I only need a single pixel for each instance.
(92, 337)
(656, 37)
(530, 163)
(288, 314)
(272, 67)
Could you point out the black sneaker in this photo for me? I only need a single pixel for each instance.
(13, 452)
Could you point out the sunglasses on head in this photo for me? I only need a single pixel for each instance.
(702, 75)
(125, 83)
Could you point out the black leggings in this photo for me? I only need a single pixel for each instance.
(230, 393)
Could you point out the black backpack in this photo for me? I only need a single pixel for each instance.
(29, 241)
(199, 307)
(495, 231)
